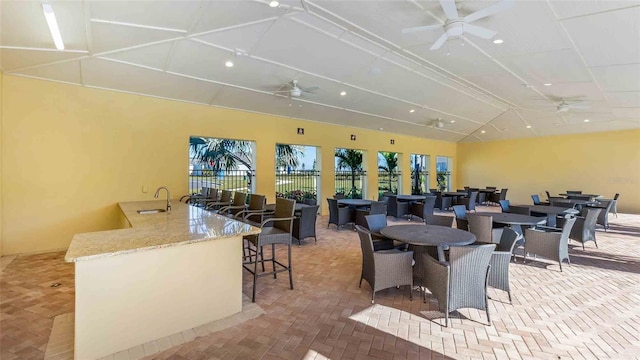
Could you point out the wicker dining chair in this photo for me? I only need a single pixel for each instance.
(376, 207)
(584, 229)
(396, 208)
(482, 227)
(375, 223)
(304, 226)
(500, 260)
(469, 202)
(462, 281)
(603, 217)
(279, 233)
(424, 208)
(614, 207)
(239, 204)
(214, 203)
(536, 200)
(440, 220)
(460, 211)
(550, 243)
(384, 269)
(339, 216)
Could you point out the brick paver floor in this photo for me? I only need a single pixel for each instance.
(589, 311)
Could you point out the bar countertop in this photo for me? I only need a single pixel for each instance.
(185, 225)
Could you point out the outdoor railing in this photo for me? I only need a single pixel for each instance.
(343, 183)
(297, 184)
(388, 182)
(419, 182)
(235, 180)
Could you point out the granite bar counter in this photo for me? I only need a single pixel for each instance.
(161, 274)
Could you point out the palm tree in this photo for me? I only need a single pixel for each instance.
(390, 164)
(222, 154)
(288, 155)
(352, 160)
(417, 174)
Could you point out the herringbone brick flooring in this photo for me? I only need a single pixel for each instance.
(589, 311)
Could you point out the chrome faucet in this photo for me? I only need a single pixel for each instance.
(168, 197)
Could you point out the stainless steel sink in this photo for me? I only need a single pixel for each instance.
(150, 211)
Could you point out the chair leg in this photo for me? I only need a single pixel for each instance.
(595, 242)
(255, 273)
(290, 270)
(560, 263)
(273, 260)
(509, 293)
(373, 294)
(583, 245)
(261, 256)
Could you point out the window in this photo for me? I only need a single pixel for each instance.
(419, 174)
(443, 173)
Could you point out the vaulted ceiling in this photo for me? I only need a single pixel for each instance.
(588, 51)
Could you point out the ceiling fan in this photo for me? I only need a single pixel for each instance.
(296, 91)
(456, 25)
(437, 123)
(565, 106)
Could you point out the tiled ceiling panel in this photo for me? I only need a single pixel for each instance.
(588, 51)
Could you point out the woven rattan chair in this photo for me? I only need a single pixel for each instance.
(384, 269)
(495, 198)
(191, 198)
(461, 282)
(239, 204)
(584, 230)
(423, 208)
(279, 233)
(500, 260)
(304, 226)
(377, 207)
(395, 208)
(339, 216)
(504, 205)
(460, 211)
(440, 220)
(225, 200)
(603, 216)
(550, 243)
(482, 227)
(536, 200)
(614, 206)
(211, 196)
(469, 202)
(255, 211)
(375, 223)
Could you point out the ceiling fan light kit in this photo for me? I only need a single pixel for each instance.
(455, 25)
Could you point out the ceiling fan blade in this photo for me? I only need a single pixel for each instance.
(493, 9)
(578, 106)
(310, 89)
(479, 31)
(439, 42)
(421, 28)
(450, 9)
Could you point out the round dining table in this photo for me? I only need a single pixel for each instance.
(551, 212)
(514, 221)
(356, 203)
(411, 197)
(429, 235)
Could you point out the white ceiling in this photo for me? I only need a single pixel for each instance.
(586, 49)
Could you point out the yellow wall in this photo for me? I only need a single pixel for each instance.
(71, 153)
(598, 163)
(1, 78)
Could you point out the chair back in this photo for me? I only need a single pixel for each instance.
(569, 221)
(469, 267)
(473, 195)
(507, 240)
(439, 220)
(433, 191)
(548, 195)
(536, 199)
(504, 205)
(339, 196)
(204, 192)
(333, 211)
(376, 222)
(591, 218)
(256, 202)
(212, 193)
(239, 198)
(284, 209)
(378, 207)
(491, 187)
(616, 196)
(460, 211)
(481, 226)
(366, 245)
(226, 196)
(305, 225)
(503, 194)
(429, 205)
(392, 205)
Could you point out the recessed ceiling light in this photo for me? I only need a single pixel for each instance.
(586, 120)
(228, 63)
(452, 121)
(412, 110)
(381, 128)
(528, 126)
(548, 84)
(343, 93)
(482, 131)
(53, 26)
(498, 41)
(274, 3)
